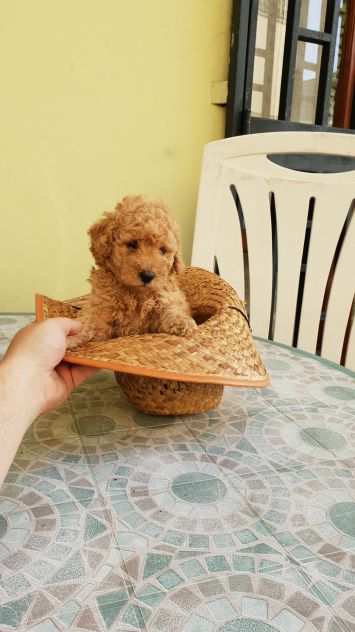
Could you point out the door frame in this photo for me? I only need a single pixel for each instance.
(344, 111)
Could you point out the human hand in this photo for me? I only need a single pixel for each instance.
(33, 363)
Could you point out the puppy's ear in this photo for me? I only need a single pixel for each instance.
(178, 265)
(102, 236)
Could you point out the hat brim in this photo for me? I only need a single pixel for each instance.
(220, 351)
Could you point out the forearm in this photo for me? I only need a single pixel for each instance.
(17, 412)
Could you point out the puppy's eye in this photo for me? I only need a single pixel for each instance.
(132, 245)
(163, 250)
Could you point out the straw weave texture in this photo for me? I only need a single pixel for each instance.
(220, 351)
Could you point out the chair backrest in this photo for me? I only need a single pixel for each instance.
(282, 237)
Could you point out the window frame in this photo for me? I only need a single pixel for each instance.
(239, 119)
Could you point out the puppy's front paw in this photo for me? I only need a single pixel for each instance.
(77, 340)
(182, 326)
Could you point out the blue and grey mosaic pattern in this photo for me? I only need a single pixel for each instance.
(240, 520)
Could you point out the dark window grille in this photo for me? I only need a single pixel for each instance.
(239, 119)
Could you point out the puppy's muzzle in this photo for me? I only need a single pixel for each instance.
(146, 276)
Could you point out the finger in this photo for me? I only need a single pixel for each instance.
(73, 375)
(69, 326)
(64, 371)
(82, 373)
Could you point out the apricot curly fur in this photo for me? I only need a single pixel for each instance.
(136, 241)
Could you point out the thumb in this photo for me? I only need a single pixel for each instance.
(69, 326)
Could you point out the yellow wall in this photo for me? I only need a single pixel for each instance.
(98, 99)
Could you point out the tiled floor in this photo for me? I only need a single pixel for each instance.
(241, 520)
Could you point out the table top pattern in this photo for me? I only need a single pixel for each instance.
(239, 520)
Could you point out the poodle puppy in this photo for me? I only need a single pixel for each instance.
(134, 288)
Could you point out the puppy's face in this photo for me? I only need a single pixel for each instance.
(142, 258)
(138, 243)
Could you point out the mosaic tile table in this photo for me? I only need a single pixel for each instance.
(241, 520)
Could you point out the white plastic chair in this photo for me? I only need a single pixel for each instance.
(283, 238)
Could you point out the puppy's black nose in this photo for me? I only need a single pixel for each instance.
(146, 276)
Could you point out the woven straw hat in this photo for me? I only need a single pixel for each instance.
(163, 374)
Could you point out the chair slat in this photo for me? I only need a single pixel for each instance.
(291, 225)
